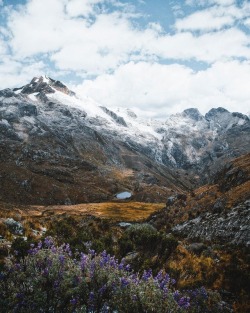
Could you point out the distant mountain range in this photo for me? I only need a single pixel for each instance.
(59, 148)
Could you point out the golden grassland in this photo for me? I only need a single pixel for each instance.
(223, 269)
(116, 211)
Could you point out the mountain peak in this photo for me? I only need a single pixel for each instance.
(46, 85)
(216, 112)
(42, 79)
(194, 114)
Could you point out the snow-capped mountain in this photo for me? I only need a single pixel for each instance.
(49, 132)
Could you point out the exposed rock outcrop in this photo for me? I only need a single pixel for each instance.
(228, 227)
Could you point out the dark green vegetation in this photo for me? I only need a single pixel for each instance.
(55, 279)
(219, 267)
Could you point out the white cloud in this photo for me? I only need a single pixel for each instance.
(164, 89)
(93, 40)
(111, 39)
(16, 74)
(100, 45)
(206, 20)
(138, 85)
(210, 2)
(208, 47)
(72, 43)
(76, 8)
(37, 29)
(247, 22)
(177, 10)
(213, 18)
(3, 47)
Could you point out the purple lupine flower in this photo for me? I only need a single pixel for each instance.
(165, 292)
(176, 295)
(146, 275)
(56, 284)
(135, 279)
(40, 245)
(203, 292)
(167, 278)
(102, 289)
(45, 272)
(113, 262)
(18, 266)
(33, 251)
(53, 249)
(19, 295)
(105, 258)
(163, 285)
(91, 296)
(73, 301)
(194, 293)
(83, 261)
(159, 276)
(61, 259)
(67, 249)
(104, 253)
(121, 265)
(92, 252)
(48, 242)
(184, 302)
(127, 268)
(124, 282)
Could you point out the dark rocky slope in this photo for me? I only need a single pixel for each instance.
(223, 202)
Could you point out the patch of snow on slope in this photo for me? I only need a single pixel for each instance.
(86, 104)
(4, 122)
(18, 91)
(33, 97)
(45, 79)
(138, 128)
(139, 125)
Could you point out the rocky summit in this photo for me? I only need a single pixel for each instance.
(59, 148)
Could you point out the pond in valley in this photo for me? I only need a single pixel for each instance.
(123, 195)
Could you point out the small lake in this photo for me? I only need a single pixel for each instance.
(124, 195)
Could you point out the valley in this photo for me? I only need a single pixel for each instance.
(65, 159)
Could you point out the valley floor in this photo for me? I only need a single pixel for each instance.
(116, 211)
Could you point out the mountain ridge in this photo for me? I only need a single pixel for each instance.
(85, 151)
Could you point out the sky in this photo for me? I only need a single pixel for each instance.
(156, 57)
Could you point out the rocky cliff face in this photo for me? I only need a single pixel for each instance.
(58, 148)
(229, 226)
